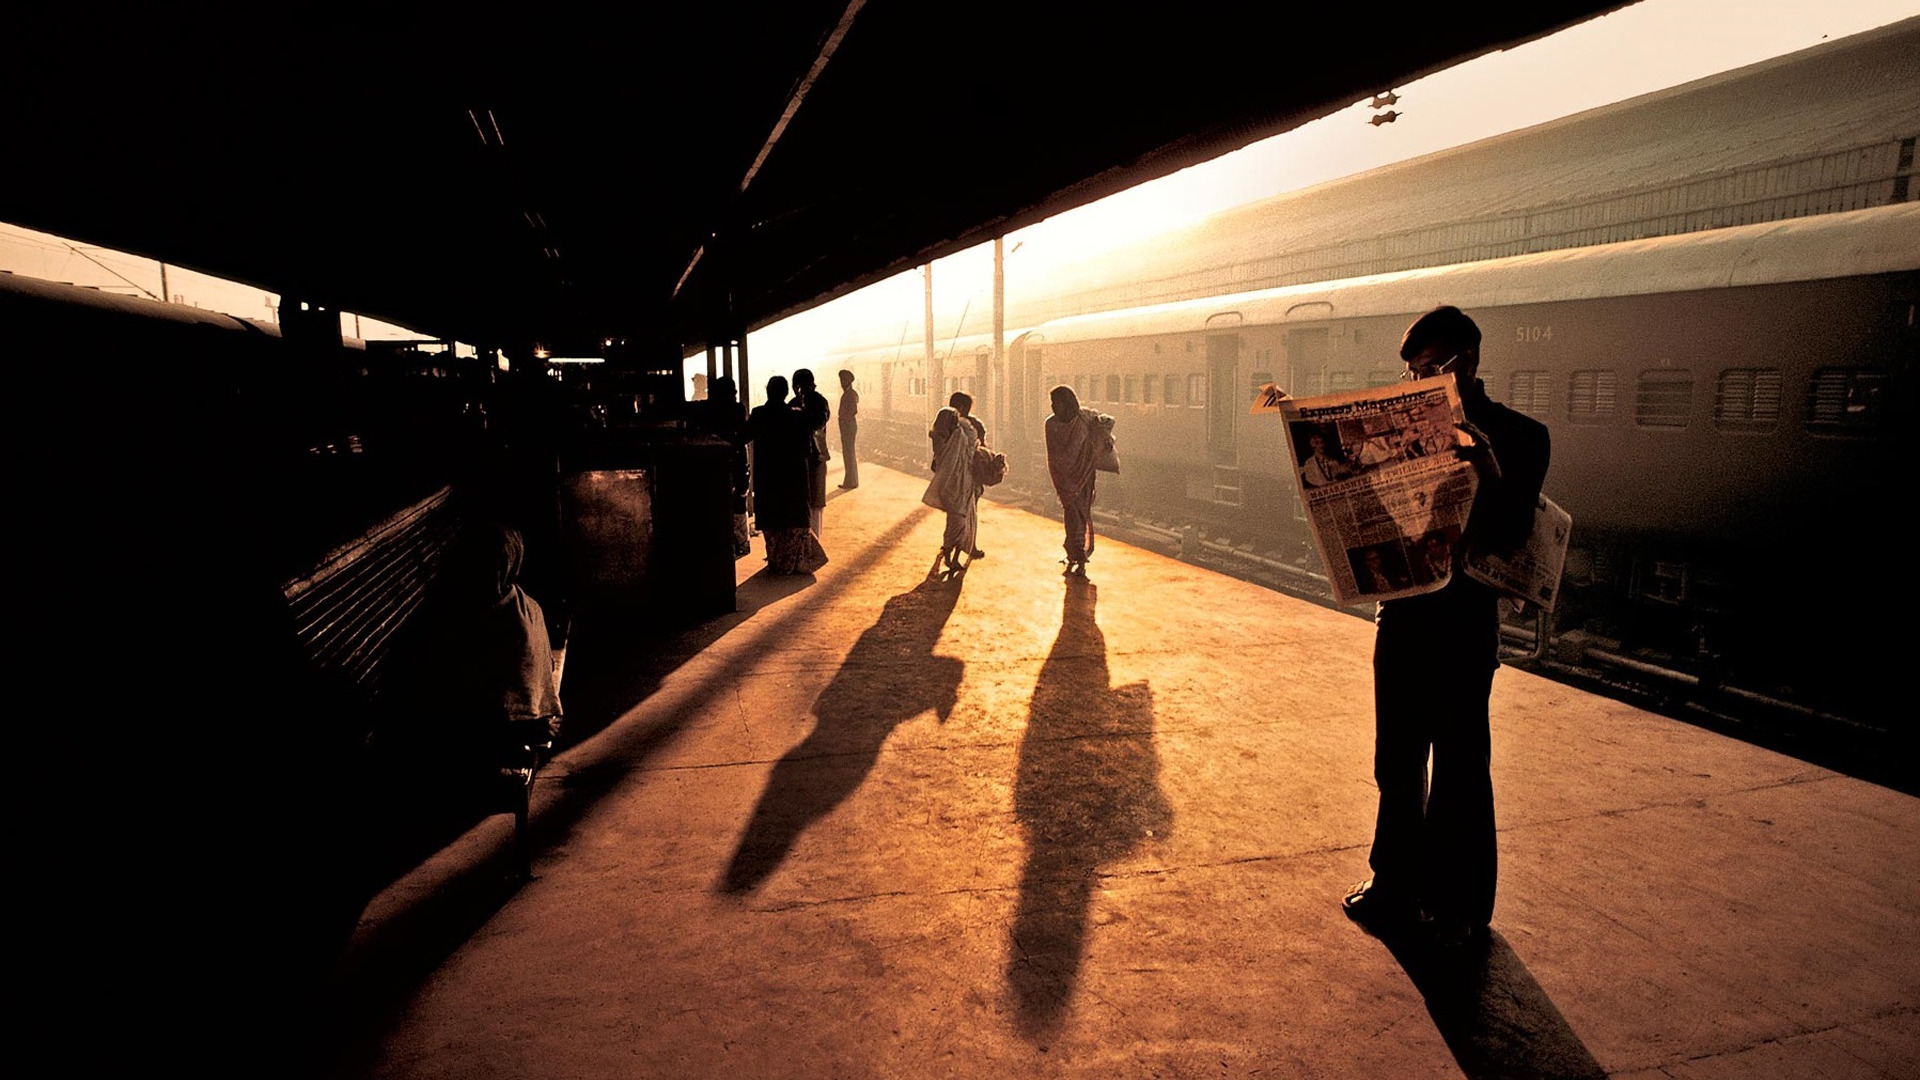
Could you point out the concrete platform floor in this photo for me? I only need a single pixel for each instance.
(876, 825)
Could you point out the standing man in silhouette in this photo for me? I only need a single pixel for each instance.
(1434, 656)
(849, 416)
(849, 428)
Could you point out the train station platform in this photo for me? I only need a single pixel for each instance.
(876, 824)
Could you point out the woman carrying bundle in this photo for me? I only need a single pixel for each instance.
(953, 487)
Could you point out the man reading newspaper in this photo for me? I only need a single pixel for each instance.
(1433, 856)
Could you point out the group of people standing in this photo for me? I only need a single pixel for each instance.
(780, 457)
(789, 468)
(789, 456)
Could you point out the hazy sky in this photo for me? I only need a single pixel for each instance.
(41, 255)
(1652, 45)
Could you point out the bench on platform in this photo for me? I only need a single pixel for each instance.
(349, 612)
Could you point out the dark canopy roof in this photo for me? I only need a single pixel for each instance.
(565, 171)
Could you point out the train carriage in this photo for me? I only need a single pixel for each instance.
(1724, 406)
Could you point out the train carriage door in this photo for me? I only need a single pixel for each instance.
(1307, 353)
(1032, 400)
(1224, 403)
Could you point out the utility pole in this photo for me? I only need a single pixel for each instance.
(936, 378)
(997, 389)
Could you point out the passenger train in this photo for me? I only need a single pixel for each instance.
(1726, 408)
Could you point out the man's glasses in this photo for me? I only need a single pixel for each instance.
(1441, 368)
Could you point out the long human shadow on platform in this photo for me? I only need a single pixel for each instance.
(890, 676)
(603, 681)
(621, 655)
(1086, 792)
(618, 658)
(1495, 1018)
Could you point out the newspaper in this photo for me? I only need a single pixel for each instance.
(1386, 497)
(1533, 572)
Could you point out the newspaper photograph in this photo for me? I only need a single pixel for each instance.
(1386, 497)
(1533, 572)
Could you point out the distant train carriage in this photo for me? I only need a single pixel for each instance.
(900, 390)
(1725, 406)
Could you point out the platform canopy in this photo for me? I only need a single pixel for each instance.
(566, 172)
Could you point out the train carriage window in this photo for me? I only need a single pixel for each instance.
(1593, 396)
(1528, 392)
(1088, 391)
(1131, 393)
(1846, 401)
(1113, 388)
(1381, 376)
(917, 386)
(1663, 398)
(1196, 391)
(1342, 381)
(1259, 379)
(1149, 389)
(1309, 382)
(1175, 390)
(1747, 399)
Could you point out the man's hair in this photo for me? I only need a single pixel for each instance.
(802, 377)
(961, 400)
(1445, 327)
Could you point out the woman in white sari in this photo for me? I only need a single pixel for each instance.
(953, 487)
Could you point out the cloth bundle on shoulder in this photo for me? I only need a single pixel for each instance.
(989, 466)
(1105, 459)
